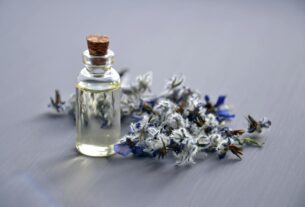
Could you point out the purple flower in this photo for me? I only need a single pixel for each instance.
(122, 149)
(218, 109)
(57, 103)
(224, 114)
(138, 150)
(220, 101)
(138, 125)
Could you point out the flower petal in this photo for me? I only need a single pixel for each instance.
(122, 149)
(220, 101)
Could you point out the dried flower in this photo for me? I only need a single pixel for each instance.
(257, 126)
(57, 104)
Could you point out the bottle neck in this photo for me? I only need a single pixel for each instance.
(98, 64)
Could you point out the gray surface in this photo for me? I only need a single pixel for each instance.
(252, 51)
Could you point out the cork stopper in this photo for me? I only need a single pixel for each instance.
(97, 44)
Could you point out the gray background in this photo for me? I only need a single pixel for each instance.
(253, 51)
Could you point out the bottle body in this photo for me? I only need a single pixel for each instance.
(98, 119)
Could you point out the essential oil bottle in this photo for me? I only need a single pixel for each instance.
(98, 100)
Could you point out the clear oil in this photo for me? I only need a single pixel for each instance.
(98, 122)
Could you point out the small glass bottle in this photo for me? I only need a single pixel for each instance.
(98, 119)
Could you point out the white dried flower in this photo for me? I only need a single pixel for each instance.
(175, 121)
(143, 82)
(186, 156)
(211, 120)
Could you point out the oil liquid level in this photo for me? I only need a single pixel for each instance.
(98, 121)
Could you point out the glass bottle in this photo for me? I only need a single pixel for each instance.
(98, 105)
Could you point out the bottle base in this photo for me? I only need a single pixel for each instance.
(95, 151)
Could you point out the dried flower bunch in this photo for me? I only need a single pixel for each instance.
(179, 121)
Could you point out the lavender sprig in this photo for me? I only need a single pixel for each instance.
(179, 121)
